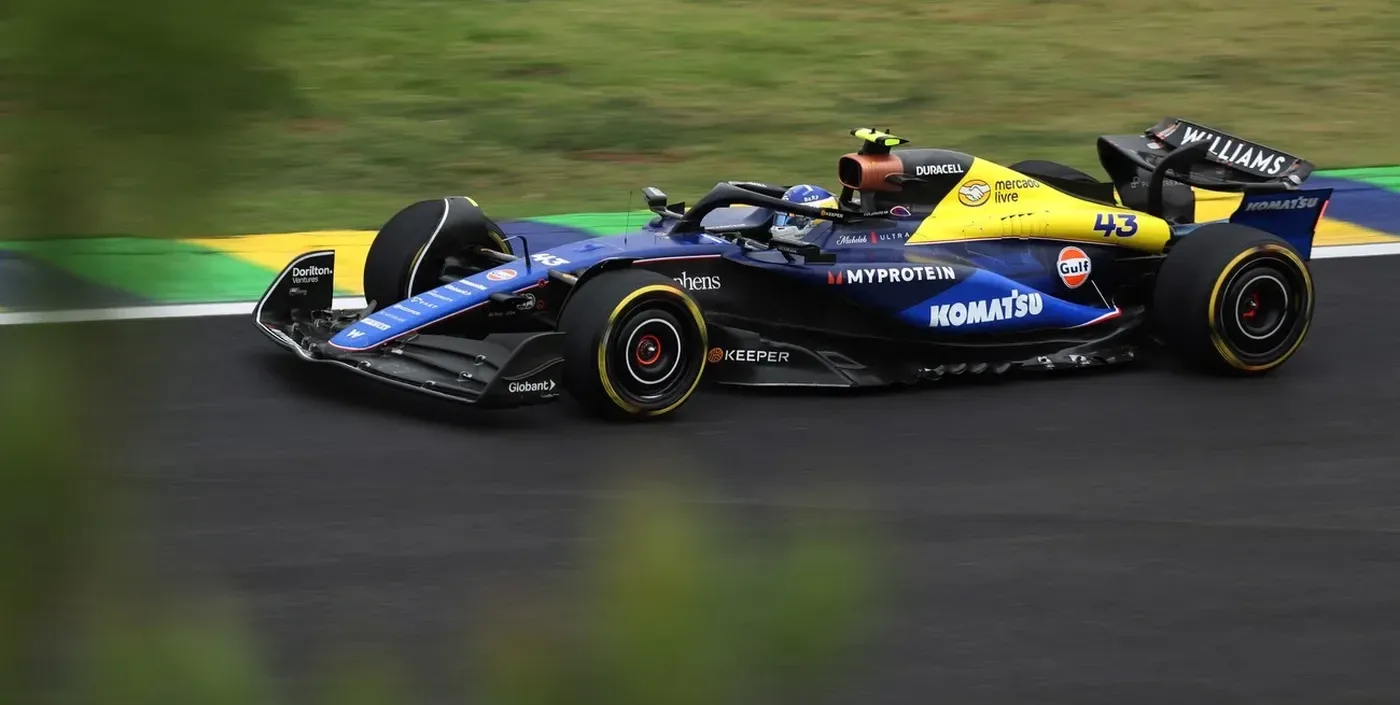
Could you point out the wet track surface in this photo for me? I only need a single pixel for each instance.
(1138, 536)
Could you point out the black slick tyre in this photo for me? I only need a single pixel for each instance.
(424, 241)
(635, 345)
(1233, 299)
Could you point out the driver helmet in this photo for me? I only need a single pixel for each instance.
(791, 225)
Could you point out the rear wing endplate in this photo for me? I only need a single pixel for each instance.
(1293, 216)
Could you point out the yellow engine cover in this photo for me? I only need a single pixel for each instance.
(994, 202)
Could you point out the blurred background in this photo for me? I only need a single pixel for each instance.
(163, 119)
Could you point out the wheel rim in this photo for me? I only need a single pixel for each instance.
(651, 353)
(656, 351)
(1262, 309)
(1261, 306)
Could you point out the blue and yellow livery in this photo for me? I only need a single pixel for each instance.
(935, 262)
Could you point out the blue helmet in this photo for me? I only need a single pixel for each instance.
(798, 225)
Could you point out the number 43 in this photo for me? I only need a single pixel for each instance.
(1120, 225)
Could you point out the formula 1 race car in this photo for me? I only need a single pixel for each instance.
(934, 263)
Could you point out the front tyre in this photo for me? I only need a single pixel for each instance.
(1230, 298)
(428, 244)
(635, 345)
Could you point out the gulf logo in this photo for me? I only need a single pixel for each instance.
(1074, 267)
(500, 275)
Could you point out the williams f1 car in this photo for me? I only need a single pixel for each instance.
(933, 263)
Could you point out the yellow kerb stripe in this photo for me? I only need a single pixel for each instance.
(275, 251)
(1214, 205)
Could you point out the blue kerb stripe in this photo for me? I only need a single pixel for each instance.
(1361, 203)
(542, 236)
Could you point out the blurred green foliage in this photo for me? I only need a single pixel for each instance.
(50, 503)
(672, 609)
(130, 107)
(134, 102)
(675, 611)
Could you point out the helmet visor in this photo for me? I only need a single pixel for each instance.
(789, 220)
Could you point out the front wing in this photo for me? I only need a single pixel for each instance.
(296, 313)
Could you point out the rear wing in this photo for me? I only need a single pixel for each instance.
(1187, 154)
(1235, 159)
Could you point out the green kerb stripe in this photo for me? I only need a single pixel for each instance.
(1386, 177)
(160, 270)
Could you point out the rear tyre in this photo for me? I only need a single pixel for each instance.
(635, 345)
(1233, 299)
(426, 241)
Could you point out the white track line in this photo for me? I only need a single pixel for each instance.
(1373, 250)
(135, 313)
(244, 308)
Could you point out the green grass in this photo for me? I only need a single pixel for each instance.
(548, 106)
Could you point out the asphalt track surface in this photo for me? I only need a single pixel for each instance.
(1144, 536)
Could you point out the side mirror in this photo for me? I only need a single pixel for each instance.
(655, 198)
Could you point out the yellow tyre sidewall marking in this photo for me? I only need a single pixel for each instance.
(1218, 339)
(500, 243)
(417, 260)
(617, 311)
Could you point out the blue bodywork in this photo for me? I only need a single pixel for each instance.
(999, 286)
